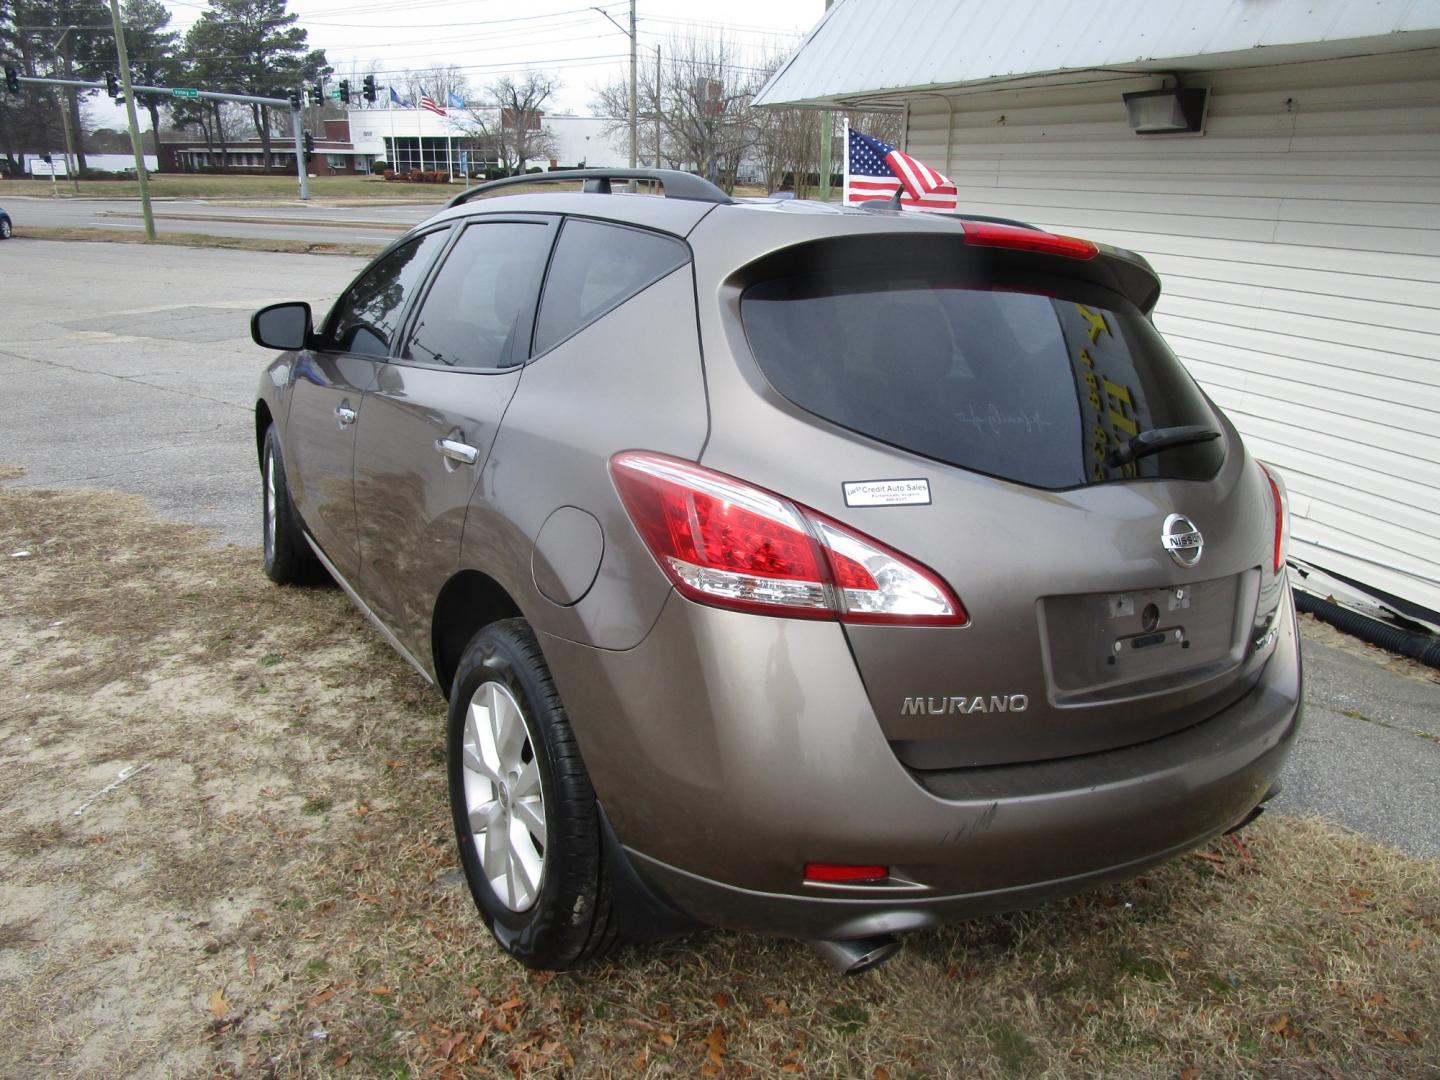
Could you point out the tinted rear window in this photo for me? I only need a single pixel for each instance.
(1029, 387)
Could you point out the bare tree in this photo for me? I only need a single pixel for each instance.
(700, 102)
(521, 126)
(438, 82)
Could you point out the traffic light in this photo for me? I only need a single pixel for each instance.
(309, 146)
(295, 101)
(345, 91)
(317, 92)
(112, 84)
(12, 80)
(369, 85)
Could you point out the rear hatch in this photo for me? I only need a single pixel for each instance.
(965, 406)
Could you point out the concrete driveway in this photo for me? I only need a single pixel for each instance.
(131, 368)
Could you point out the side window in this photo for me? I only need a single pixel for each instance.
(482, 298)
(597, 268)
(366, 316)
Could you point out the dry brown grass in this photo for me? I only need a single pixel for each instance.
(240, 243)
(276, 893)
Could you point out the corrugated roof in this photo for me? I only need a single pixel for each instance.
(864, 48)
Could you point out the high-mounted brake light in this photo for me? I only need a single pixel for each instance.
(726, 543)
(1280, 500)
(994, 234)
(845, 873)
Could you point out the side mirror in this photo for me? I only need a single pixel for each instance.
(282, 326)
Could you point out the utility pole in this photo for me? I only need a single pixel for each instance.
(634, 131)
(657, 106)
(72, 169)
(827, 138)
(142, 178)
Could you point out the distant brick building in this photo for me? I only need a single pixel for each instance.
(334, 155)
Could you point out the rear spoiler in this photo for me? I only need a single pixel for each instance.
(1118, 269)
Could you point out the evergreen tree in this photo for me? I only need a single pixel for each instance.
(152, 51)
(257, 48)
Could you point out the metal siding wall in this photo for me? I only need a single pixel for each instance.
(1299, 243)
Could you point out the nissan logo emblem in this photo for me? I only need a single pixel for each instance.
(1182, 540)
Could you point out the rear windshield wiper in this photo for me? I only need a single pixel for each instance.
(1157, 439)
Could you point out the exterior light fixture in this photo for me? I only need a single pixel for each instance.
(1179, 110)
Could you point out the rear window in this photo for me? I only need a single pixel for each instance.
(1035, 387)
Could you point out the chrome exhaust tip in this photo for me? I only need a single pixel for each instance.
(859, 955)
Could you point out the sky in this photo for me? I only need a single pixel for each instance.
(492, 37)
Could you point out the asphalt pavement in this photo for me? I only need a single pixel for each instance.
(131, 368)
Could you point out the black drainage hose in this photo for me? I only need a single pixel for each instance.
(1422, 647)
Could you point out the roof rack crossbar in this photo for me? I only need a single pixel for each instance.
(676, 184)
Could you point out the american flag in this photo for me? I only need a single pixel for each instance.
(874, 170)
(427, 102)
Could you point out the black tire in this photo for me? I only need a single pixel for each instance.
(4, 229)
(571, 920)
(289, 559)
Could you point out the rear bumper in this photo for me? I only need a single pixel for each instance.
(729, 750)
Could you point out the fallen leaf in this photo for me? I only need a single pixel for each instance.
(1377, 998)
(1189, 1074)
(1279, 1024)
(716, 1042)
(250, 964)
(1208, 856)
(720, 1001)
(320, 998)
(218, 1005)
(368, 898)
(790, 1067)
(709, 1070)
(1358, 894)
(881, 1073)
(776, 1006)
(379, 991)
(668, 1040)
(342, 1060)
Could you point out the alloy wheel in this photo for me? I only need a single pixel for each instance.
(504, 802)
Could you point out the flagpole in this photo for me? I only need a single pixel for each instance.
(845, 172)
(390, 108)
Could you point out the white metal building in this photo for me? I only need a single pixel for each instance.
(1298, 235)
(418, 138)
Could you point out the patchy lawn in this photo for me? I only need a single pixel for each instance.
(225, 848)
(203, 186)
(240, 243)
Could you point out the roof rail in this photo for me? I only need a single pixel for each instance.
(677, 184)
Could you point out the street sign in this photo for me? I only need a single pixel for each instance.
(334, 95)
(184, 91)
(40, 167)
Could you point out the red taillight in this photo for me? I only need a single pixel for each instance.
(993, 234)
(1277, 498)
(830, 873)
(726, 543)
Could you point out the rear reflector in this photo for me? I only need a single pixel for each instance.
(993, 234)
(726, 543)
(1282, 526)
(830, 873)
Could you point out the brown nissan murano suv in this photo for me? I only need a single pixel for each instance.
(823, 572)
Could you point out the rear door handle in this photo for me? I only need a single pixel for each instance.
(345, 414)
(464, 453)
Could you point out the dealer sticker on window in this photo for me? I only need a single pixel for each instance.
(887, 492)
